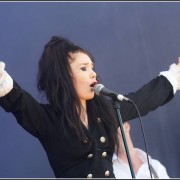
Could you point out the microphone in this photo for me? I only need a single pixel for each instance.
(99, 89)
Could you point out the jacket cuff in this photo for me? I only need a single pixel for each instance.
(171, 78)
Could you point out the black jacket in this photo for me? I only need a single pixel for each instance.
(70, 157)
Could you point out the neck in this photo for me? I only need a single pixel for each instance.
(122, 152)
(136, 161)
(83, 103)
(83, 114)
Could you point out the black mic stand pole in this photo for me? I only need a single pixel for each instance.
(117, 107)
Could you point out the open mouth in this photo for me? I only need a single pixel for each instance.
(93, 84)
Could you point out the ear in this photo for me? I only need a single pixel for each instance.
(126, 126)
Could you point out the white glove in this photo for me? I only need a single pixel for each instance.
(173, 75)
(6, 82)
(2, 76)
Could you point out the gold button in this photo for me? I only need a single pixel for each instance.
(104, 154)
(107, 173)
(90, 156)
(85, 141)
(89, 176)
(103, 139)
(98, 120)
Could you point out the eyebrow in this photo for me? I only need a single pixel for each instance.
(86, 64)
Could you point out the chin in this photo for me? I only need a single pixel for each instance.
(90, 97)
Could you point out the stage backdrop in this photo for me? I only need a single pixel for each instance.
(131, 42)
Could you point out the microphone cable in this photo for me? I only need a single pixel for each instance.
(100, 89)
(146, 149)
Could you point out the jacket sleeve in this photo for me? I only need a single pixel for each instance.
(156, 93)
(29, 113)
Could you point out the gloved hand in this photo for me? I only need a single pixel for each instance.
(173, 75)
(175, 70)
(6, 82)
(2, 67)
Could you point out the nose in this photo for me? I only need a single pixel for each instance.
(93, 74)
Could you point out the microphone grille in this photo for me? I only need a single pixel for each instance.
(97, 88)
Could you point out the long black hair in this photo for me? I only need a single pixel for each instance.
(55, 80)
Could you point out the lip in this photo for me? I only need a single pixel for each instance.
(93, 84)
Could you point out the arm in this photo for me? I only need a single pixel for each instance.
(156, 93)
(28, 112)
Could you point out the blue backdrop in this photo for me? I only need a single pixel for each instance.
(131, 42)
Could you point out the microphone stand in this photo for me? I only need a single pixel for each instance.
(117, 107)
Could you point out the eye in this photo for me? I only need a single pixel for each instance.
(83, 68)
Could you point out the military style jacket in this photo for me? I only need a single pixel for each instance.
(68, 156)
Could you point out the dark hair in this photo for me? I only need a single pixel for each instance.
(55, 80)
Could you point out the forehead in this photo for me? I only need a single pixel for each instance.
(79, 58)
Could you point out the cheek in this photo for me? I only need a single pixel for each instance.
(75, 80)
(79, 79)
(79, 86)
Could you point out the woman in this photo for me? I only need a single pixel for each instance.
(77, 129)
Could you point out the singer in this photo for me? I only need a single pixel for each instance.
(78, 129)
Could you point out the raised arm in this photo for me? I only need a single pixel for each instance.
(156, 93)
(30, 114)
